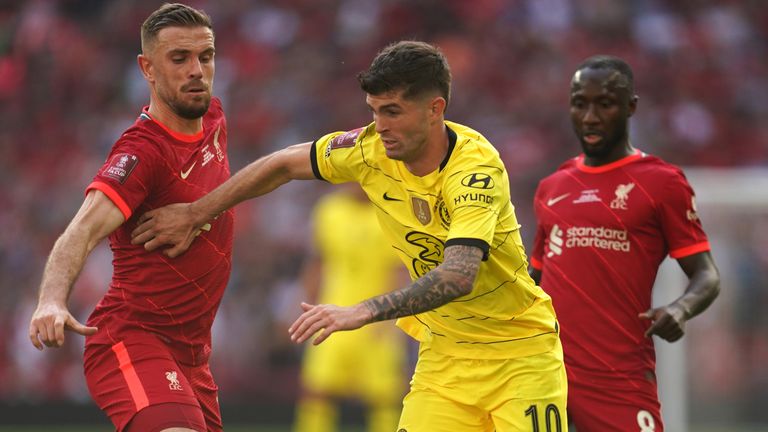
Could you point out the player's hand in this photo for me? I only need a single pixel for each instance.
(48, 324)
(326, 319)
(170, 225)
(668, 322)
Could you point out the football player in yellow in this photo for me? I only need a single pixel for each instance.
(490, 356)
(351, 261)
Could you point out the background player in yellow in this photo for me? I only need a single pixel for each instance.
(350, 262)
(490, 356)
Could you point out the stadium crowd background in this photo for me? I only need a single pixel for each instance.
(286, 70)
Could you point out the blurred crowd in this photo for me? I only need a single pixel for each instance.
(285, 70)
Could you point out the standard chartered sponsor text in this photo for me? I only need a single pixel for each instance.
(597, 237)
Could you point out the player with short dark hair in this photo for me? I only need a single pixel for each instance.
(426, 72)
(149, 339)
(606, 221)
(490, 355)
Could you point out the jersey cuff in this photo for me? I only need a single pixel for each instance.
(313, 160)
(112, 195)
(690, 250)
(538, 265)
(480, 244)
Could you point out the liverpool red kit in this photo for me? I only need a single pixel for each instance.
(160, 309)
(602, 234)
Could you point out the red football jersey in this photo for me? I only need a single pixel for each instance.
(602, 234)
(176, 298)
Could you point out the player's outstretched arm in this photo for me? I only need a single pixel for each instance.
(97, 218)
(177, 225)
(703, 288)
(451, 279)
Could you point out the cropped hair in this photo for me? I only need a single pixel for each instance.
(171, 15)
(610, 63)
(415, 67)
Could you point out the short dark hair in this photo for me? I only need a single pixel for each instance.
(413, 66)
(611, 63)
(171, 15)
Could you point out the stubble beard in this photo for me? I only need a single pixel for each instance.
(191, 111)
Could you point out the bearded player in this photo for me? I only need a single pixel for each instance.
(149, 339)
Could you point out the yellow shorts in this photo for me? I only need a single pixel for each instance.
(367, 363)
(457, 394)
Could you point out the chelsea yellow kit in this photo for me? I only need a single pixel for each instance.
(466, 201)
(368, 363)
(490, 360)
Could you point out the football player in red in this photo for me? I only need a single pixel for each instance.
(149, 339)
(606, 220)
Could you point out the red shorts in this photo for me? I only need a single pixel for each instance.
(139, 372)
(601, 409)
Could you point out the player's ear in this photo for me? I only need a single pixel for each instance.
(633, 104)
(145, 65)
(437, 106)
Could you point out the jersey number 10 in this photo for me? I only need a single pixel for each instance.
(551, 415)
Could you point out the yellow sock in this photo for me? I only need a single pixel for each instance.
(316, 415)
(383, 418)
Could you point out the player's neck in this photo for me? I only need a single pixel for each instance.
(165, 115)
(619, 152)
(434, 153)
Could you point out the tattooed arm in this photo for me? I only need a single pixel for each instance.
(451, 279)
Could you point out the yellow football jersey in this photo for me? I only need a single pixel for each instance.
(357, 263)
(466, 201)
(353, 249)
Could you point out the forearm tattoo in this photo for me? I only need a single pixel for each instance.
(451, 279)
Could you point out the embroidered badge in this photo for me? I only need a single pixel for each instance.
(345, 140)
(120, 166)
(421, 210)
(442, 211)
(622, 195)
(173, 380)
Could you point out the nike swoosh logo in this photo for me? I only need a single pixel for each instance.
(555, 200)
(389, 198)
(185, 174)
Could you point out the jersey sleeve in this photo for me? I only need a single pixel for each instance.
(474, 197)
(127, 175)
(337, 157)
(679, 220)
